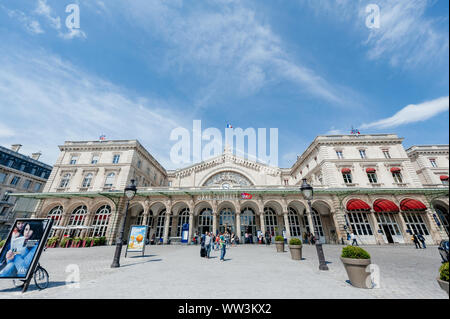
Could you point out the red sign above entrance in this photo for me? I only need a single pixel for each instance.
(246, 196)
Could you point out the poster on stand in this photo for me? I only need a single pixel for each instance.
(136, 241)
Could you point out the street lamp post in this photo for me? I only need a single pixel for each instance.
(130, 192)
(308, 193)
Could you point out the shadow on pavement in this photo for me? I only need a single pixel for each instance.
(144, 262)
(33, 287)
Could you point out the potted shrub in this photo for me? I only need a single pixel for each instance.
(356, 260)
(295, 247)
(102, 240)
(443, 277)
(279, 242)
(65, 242)
(96, 241)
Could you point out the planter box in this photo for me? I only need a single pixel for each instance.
(443, 284)
(92, 243)
(296, 252)
(356, 271)
(280, 246)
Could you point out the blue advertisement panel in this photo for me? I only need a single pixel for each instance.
(22, 248)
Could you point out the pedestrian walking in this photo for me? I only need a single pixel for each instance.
(422, 240)
(223, 248)
(267, 238)
(415, 239)
(353, 239)
(208, 241)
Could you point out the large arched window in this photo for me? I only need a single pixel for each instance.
(76, 219)
(160, 224)
(443, 216)
(87, 180)
(270, 218)
(248, 222)
(205, 220)
(110, 180)
(55, 214)
(101, 221)
(294, 223)
(226, 220)
(140, 218)
(65, 181)
(183, 218)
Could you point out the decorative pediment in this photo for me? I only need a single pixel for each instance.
(227, 158)
(227, 178)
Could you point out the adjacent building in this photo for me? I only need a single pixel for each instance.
(365, 184)
(18, 174)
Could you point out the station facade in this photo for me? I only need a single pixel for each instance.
(366, 184)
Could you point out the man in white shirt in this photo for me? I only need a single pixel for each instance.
(208, 244)
(353, 239)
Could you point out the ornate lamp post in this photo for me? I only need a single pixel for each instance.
(308, 193)
(130, 192)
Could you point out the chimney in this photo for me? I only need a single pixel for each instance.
(36, 156)
(16, 147)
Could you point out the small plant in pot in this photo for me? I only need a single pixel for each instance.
(443, 277)
(279, 243)
(295, 247)
(356, 260)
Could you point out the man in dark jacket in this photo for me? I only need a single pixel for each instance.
(416, 241)
(422, 240)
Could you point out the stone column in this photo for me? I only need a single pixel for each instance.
(174, 225)
(87, 222)
(403, 228)
(434, 229)
(214, 222)
(238, 225)
(191, 226)
(263, 225)
(166, 226)
(378, 238)
(286, 225)
(310, 222)
(337, 226)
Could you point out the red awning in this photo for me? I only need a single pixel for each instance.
(444, 178)
(357, 204)
(412, 204)
(395, 169)
(384, 205)
(370, 170)
(346, 170)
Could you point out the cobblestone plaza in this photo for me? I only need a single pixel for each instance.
(249, 272)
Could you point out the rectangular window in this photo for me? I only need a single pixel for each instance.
(4, 211)
(15, 180)
(347, 178)
(386, 154)
(397, 177)
(445, 182)
(73, 160)
(362, 153)
(27, 184)
(94, 159)
(339, 154)
(3, 177)
(433, 163)
(372, 178)
(116, 159)
(6, 197)
(37, 187)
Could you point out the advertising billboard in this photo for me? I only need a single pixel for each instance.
(136, 241)
(23, 247)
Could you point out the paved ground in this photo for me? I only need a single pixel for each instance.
(249, 272)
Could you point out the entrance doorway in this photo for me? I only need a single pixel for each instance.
(387, 232)
(247, 234)
(227, 221)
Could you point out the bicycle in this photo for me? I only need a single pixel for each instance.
(40, 276)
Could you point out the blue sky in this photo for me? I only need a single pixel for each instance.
(138, 69)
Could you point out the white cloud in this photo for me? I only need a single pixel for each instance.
(412, 113)
(50, 100)
(5, 131)
(225, 42)
(44, 10)
(407, 36)
(30, 24)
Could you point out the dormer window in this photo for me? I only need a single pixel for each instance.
(340, 154)
(73, 159)
(362, 153)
